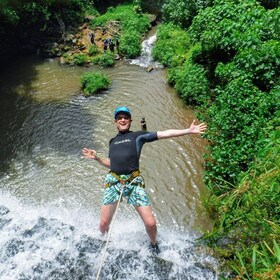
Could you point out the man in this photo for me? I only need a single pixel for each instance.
(124, 177)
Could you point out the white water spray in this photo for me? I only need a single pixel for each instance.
(146, 60)
(56, 243)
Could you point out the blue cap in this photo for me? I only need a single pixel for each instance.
(122, 109)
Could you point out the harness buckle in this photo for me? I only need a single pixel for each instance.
(133, 175)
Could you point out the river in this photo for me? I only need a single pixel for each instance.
(50, 196)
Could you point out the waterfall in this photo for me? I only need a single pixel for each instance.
(146, 60)
(50, 242)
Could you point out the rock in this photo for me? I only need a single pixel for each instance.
(4, 222)
(70, 38)
(62, 60)
(3, 210)
(84, 26)
(150, 68)
(152, 18)
(89, 18)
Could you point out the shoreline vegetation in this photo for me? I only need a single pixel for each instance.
(223, 59)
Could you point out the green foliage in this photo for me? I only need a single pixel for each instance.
(128, 18)
(79, 59)
(133, 26)
(104, 60)
(93, 50)
(36, 22)
(264, 263)
(9, 16)
(131, 44)
(94, 82)
(228, 25)
(182, 12)
(232, 71)
(261, 64)
(249, 215)
(239, 48)
(191, 83)
(172, 45)
(239, 120)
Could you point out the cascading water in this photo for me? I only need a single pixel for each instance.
(146, 60)
(50, 197)
(52, 242)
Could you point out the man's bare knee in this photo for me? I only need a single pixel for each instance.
(150, 223)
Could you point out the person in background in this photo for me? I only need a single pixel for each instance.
(117, 40)
(124, 178)
(111, 45)
(105, 44)
(92, 36)
(143, 124)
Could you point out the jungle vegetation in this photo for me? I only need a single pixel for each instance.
(225, 61)
(223, 58)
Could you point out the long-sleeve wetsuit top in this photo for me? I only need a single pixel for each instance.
(125, 149)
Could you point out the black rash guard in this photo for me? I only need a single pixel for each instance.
(125, 149)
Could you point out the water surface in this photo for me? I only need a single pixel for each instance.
(51, 195)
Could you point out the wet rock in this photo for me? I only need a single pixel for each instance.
(88, 245)
(150, 68)
(196, 272)
(4, 222)
(152, 18)
(45, 228)
(15, 246)
(64, 266)
(117, 57)
(61, 60)
(4, 210)
(120, 263)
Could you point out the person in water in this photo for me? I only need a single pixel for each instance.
(143, 124)
(124, 175)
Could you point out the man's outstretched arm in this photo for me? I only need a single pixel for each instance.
(193, 129)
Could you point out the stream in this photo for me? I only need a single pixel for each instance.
(50, 196)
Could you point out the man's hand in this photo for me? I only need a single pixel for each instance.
(197, 129)
(88, 153)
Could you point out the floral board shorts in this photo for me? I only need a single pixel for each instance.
(134, 192)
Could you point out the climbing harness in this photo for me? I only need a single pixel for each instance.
(133, 175)
(130, 179)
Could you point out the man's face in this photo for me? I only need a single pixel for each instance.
(123, 122)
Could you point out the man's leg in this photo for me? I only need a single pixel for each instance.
(107, 212)
(149, 220)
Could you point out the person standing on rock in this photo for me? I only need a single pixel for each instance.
(111, 45)
(124, 179)
(105, 44)
(117, 44)
(92, 36)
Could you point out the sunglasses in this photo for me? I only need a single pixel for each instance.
(118, 118)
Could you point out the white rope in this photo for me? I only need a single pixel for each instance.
(110, 229)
